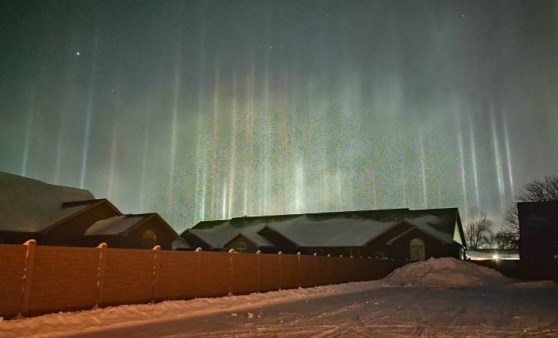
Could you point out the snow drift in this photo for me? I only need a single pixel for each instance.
(444, 272)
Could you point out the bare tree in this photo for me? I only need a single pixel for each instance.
(536, 191)
(477, 231)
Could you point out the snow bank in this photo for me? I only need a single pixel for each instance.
(444, 272)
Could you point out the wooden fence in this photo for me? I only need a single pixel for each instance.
(41, 279)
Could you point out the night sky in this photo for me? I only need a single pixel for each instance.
(204, 110)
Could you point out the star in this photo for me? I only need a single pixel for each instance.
(78, 53)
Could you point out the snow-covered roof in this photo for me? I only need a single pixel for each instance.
(28, 205)
(350, 228)
(114, 225)
(337, 231)
(225, 231)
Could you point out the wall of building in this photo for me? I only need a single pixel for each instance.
(42, 279)
(71, 231)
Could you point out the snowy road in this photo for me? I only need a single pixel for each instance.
(503, 311)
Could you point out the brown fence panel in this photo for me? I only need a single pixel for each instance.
(12, 266)
(337, 270)
(215, 274)
(379, 269)
(246, 277)
(179, 275)
(355, 267)
(63, 278)
(308, 271)
(362, 268)
(290, 273)
(322, 272)
(269, 272)
(128, 277)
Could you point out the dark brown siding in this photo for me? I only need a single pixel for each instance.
(70, 232)
(165, 236)
(378, 247)
(432, 247)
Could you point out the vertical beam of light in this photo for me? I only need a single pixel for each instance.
(58, 164)
(203, 193)
(29, 121)
(473, 147)
(174, 130)
(267, 140)
(201, 173)
(215, 142)
(374, 190)
(146, 141)
(498, 160)
(224, 202)
(89, 111)
(112, 161)
(249, 127)
(299, 186)
(200, 168)
(423, 167)
(508, 156)
(462, 170)
(233, 143)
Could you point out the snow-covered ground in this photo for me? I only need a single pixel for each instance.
(441, 297)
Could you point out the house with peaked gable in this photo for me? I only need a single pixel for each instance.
(64, 216)
(138, 231)
(396, 233)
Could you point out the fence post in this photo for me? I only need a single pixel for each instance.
(329, 281)
(156, 267)
(28, 275)
(316, 283)
(299, 272)
(259, 267)
(101, 272)
(280, 269)
(231, 270)
(199, 252)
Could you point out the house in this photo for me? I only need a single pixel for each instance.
(140, 231)
(538, 230)
(31, 209)
(396, 233)
(64, 216)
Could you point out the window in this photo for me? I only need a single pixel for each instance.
(241, 247)
(148, 239)
(416, 249)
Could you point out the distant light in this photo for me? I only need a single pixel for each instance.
(78, 53)
(496, 257)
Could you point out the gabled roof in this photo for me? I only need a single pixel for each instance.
(305, 231)
(346, 228)
(123, 224)
(258, 241)
(223, 232)
(438, 223)
(28, 205)
(80, 207)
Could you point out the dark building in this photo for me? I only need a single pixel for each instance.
(56, 215)
(538, 230)
(141, 231)
(397, 233)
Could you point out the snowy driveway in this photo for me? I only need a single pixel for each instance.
(381, 312)
(365, 309)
